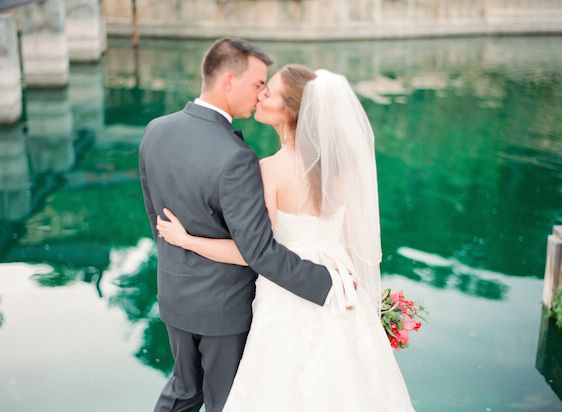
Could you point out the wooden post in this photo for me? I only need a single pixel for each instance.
(549, 357)
(378, 11)
(553, 272)
(135, 25)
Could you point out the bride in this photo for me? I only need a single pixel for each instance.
(321, 195)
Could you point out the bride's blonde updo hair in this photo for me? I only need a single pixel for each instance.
(294, 78)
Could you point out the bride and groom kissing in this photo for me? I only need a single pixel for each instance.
(268, 271)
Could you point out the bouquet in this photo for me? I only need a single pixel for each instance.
(400, 316)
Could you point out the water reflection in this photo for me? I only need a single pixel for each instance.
(86, 92)
(450, 273)
(51, 134)
(14, 175)
(469, 158)
(136, 296)
(549, 356)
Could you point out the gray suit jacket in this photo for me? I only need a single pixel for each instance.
(194, 164)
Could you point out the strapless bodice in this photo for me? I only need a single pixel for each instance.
(320, 240)
(307, 232)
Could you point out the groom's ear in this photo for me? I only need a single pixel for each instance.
(227, 80)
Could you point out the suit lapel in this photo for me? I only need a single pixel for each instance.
(239, 134)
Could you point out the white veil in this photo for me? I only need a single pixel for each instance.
(335, 141)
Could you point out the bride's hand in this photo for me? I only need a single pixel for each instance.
(172, 230)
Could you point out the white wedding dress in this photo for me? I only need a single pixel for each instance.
(303, 357)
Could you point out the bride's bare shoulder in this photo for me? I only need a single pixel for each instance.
(277, 164)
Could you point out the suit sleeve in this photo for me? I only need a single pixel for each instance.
(241, 199)
(146, 192)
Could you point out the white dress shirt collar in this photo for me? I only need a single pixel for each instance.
(203, 103)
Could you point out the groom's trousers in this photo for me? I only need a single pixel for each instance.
(204, 370)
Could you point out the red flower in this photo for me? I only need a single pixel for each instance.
(399, 316)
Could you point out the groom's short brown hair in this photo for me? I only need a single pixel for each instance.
(229, 53)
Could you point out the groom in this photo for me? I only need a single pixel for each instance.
(193, 163)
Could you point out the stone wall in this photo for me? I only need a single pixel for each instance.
(85, 30)
(44, 46)
(10, 80)
(333, 19)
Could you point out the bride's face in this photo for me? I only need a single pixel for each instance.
(270, 108)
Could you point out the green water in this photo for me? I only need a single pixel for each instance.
(469, 154)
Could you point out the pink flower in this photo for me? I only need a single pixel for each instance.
(409, 322)
(418, 326)
(403, 336)
(394, 343)
(397, 297)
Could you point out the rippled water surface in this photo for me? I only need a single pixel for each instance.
(469, 153)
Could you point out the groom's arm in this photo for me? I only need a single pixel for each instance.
(241, 198)
(146, 192)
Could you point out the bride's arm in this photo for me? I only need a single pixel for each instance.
(219, 250)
